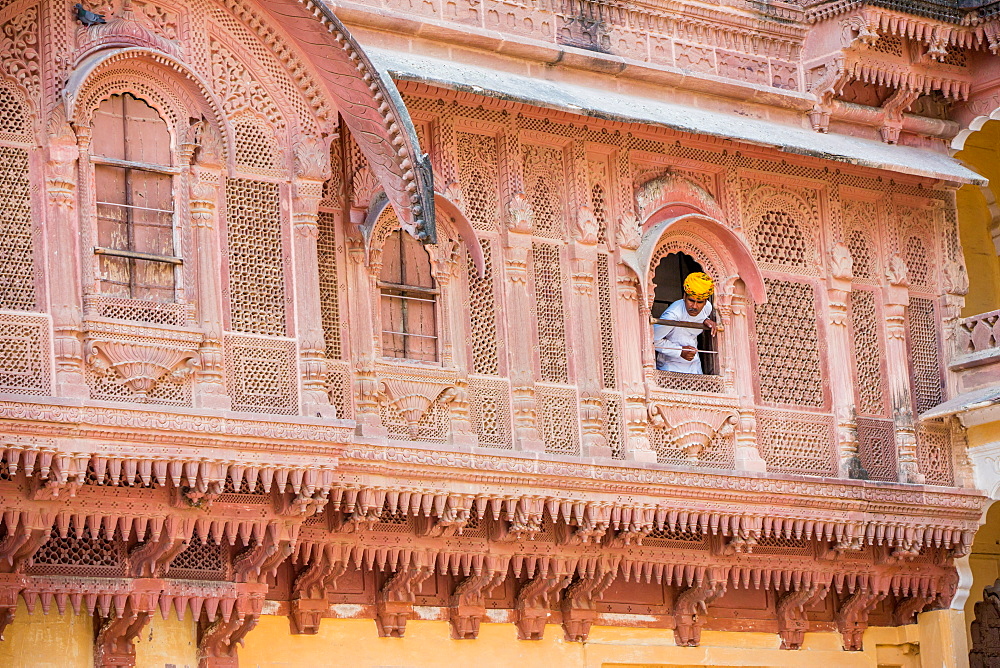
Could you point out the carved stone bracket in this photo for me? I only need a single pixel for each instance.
(531, 608)
(118, 629)
(852, 618)
(687, 618)
(523, 520)
(140, 366)
(220, 639)
(259, 561)
(152, 558)
(450, 517)
(468, 606)
(792, 622)
(692, 429)
(309, 602)
(579, 604)
(10, 588)
(907, 609)
(413, 397)
(394, 601)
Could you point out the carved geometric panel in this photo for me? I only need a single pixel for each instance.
(558, 420)
(329, 284)
(14, 123)
(877, 448)
(200, 560)
(433, 427)
(796, 443)
(934, 455)
(868, 353)
(545, 184)
(550, 317)
(256, 259)
(719, 454)
(25, 357)
(17, 280)
(84, 557)
(614, 426)
(489, 410)
(262, 374)
(924, 353)
(339, 387)
(483, 315)
(479, 177)
(605, 302)
(788, 345)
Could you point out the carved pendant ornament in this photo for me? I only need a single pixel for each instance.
(139, 366)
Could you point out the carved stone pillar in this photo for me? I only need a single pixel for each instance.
(307, 194)
(521, 356)
(206, 181)
(584, 338)
(841, 352)
(897, 297)
(64, 262)
(364, 345)
(747, 456)
(312, 168)
(956, 286)
(631, 328)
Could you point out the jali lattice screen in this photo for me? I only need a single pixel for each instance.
(924, 353)
(549, 312)
(17, 280)
(788, 345)
(329, 286)
(256, 257)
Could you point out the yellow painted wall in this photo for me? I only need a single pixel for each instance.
(48, 641)
(355, 643)
(66, 641)
(981, 154)
(167, 643)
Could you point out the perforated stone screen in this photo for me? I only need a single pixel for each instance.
(789, 363)
(550, 315)
(17, 280)
(256, 257)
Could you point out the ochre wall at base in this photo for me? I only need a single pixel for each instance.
(47, 641)
(66, 641)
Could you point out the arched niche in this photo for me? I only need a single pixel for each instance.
(732, 255)
(446, 209)
(166, 84)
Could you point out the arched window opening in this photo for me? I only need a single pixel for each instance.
(675, 327)
(134, 200)
(409, 300)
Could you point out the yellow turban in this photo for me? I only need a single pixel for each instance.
(698, 286)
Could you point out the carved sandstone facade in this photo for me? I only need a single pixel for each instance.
(356, 342)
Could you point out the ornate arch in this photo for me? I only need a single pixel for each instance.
(369, 103)
(452, 224)
(722, 249)
(167, 84)
(672, 195)
(773, 206)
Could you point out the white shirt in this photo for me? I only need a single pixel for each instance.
(668, 340)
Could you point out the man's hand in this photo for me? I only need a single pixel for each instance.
(710, 324)
(688, 353)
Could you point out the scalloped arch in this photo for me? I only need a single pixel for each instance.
(370, 105)
(672, 195)
(732, 250)
(181, 91)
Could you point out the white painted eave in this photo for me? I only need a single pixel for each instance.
(625, 108)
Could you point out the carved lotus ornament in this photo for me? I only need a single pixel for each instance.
(140, 366)
(413, 398)
(691, 429)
